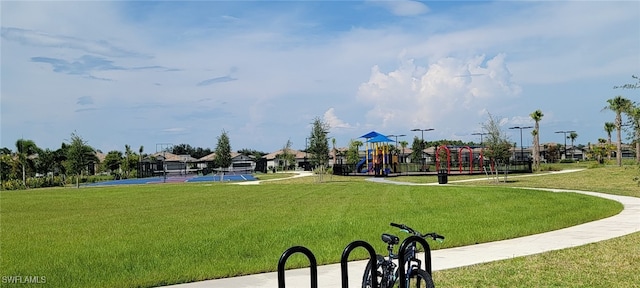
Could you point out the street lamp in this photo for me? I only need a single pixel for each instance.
(521, 146)
(164, 147)
(422, 143)
(565, 141)
(401, 135)
(481, 134)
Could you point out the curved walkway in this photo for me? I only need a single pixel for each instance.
(624, 223)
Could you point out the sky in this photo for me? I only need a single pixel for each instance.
(151, 74)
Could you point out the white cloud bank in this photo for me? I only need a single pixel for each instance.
(450, 88)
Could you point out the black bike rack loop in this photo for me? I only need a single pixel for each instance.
(345, 259)
(401, 254)
(312, 261)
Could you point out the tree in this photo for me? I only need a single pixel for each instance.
(618, 105)
(609, 127)
(112, 161)
(630, 85)
(6, 163)
(404, 145)
(572, 136)
(222, 157)
(250, 152)
(60, 156)
(600, 150)
(634, 116)
(79, 156)
(334, 153)
(138, 166)
(129, 161)
(25, 149)
(182, 149)
(497, 144)
(536, 116)
(46, 163)
(553, 153)
(319, 144)
(418, 149)
(353, 154)
(287, 157)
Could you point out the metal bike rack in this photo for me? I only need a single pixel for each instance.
(312, 262)
(314, 266)
(345, 257)
(401, 255)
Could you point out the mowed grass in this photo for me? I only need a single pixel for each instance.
(611, 263)
(150, 235)
(606, 179)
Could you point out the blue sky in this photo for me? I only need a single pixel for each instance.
(143, 73)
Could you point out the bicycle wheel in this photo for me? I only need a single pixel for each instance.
(420, 279)
(366, 278)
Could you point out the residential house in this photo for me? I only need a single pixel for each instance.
(170, 163)
(240, 163)
(274, 160)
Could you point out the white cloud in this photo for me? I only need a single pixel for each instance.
(446, 91)
(273, 68)
(333, 120)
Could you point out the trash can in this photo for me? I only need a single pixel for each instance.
(443, 177)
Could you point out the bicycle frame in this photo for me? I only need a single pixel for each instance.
(407, 261)
(390, 269)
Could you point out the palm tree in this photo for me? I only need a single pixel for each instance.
(609, 127)
(536, 116)
(140, 150)
(404, 145)
(618, 105)
(24, 150)
(573, 137)
(333, 150)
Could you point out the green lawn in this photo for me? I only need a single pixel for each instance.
(149, 235)
(611, 263)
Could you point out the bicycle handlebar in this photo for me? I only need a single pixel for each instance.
(432, 235)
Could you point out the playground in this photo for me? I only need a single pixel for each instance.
(382, 158)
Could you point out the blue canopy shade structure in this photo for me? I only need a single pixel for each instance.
(371, 134)
(380, 139)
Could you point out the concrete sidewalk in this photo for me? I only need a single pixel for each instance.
(626, 222)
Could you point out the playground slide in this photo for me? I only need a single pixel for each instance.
(359, 167)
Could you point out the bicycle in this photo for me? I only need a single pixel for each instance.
(387, 269)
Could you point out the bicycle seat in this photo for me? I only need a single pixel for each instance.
(390, 239)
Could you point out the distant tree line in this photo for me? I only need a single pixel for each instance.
(75, 162)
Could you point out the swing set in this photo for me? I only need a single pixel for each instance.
(463, 157)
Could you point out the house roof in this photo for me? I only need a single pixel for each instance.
(298, 154)
(173, 157)
(212, 156)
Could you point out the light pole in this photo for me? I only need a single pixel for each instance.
(422, 143)
(521, 146)
(397, 154)
(163, 148)
(481, 134)
(401, 135)
(306, 153)
(565, 141)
